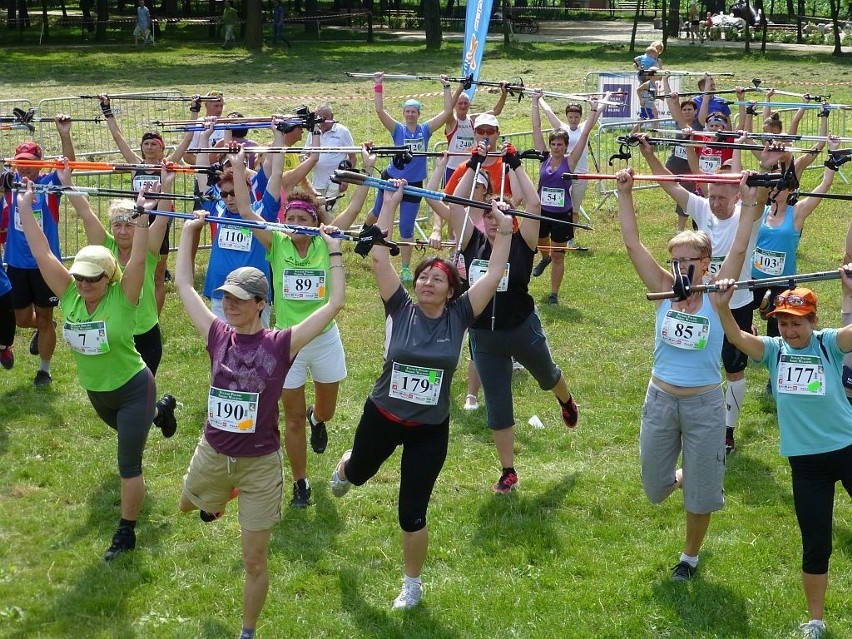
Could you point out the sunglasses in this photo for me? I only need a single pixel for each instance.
(485, 131)
(227, 193)
(89, 280)
(681, 260)
(790, 300)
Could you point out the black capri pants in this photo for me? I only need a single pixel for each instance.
(129, 410)
(814, 477)
(424, 450)
(150, 346)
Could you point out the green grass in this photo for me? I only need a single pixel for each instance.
(577, 552)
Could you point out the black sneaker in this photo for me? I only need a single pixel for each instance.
(124, 540)
(319, 434)
(167, 276)
(42, 378)
(683, 572)
(165, 419)
(553, 300)
(34, 344)
(543, 263)
(301, 494)
(730, 446)
(570, 412)
(7, 358)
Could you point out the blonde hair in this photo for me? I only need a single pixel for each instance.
(121, 208)
(697, 240)
(658, 46)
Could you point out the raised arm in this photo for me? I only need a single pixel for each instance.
(243, 197)
(654, 276)
(538, 136)
(134, 270)
(438, 207)
(806, 206)
(436, 122)
(199, 314)
(63, 127)
(55, 275)
(555, 122)
(160, 226)
(386, 277)
(521, 184)
(379, 103)
(314, 324)
(806, 159)
(752, 203)
(675, 191)
(844, 335)
(747, 343)
(276, 164)
(124, 148)
(203, 159)
(95, 232)
(180, 149)
(346, 218)
(291, 178)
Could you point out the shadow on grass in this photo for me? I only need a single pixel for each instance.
(523, 520)
(15, 405)
(703, 607)
(93, 602)
(752, 480)
(372, 621)
(320, 522)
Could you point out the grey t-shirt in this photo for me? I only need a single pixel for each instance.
(421, 355)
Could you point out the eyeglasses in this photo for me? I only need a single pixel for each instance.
(485, 131)
(227, 193)
(89, 280)
(681, 260)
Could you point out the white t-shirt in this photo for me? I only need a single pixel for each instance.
(461, 141)
(337, 135)
(722, 233)
(573, 140)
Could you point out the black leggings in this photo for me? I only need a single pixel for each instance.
(150, 346)
(7, 320)
(814, 477)
(129, 410)
(424, 449)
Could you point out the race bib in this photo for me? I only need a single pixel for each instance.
(415, 384)
(235, 239)
(86, 338)
(464, 142)
(232, 411)
(417, 145)
(709, 163)
(715, 265)
(304, 284)
(37, 214)
(140, 180)
(680, 152)
(769, 262)
(682, 330)
(553, 197)
(801, 375)
(477, 269)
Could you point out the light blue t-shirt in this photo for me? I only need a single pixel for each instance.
(775, 247)
(814, 415)
(688, 347)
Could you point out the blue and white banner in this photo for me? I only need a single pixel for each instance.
(475, 31)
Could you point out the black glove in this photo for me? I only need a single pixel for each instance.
(345, 165)
(475, 160)
(401, 159)
(836, 160)
(511, 157)
(106, 107)
(682, 285)
(366, 239)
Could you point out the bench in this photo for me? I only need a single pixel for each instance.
(401, 19)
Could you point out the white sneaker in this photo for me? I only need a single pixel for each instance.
(340, 487)
(409, 596)
(814, 629)
(516, 365)
(470, 403)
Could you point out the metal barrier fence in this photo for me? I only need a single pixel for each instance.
(12, 136)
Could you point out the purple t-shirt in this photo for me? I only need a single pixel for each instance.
(243, 365)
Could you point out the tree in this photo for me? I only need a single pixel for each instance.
(635, 26)
(102, 8)
(311, 8)
(432, 24)
(254, 24)
(673, 25)
(835, 26)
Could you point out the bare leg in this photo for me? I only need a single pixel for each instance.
(504, 439)
(46, 331)
(295, 440)
(815, 587)
(414, 547)
(132, 496)
(255, 550)
(696, 529)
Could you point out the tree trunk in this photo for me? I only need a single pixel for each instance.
(799, 36)
(45, 24)
(835, 25)
(23, 15)
(211, 11)
(103, 16)
(673, 24)
(791, 10)
(448, 12)
(311, 9)
(635, 27)
(664, 18)
(432, 24)
(253, 24)
(508, 34)
(86, 8)
(170, 8)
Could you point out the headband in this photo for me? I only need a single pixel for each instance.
(302, 205)
(439, 264)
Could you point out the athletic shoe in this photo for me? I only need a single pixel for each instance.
(553, 300)
(405, 275)
(572, 244)
(301, 494)
(34, 344)
(814, 629)
(516, 366)
(165, 419)
(42, 378)
(340, 487)
(319, 434)
(167, 276)
(543, 263)
(207, 517)
(507, 483)
(683, 572)
(471, 403)
(7, 358)
(570, 412)
(409, 596)
(124, 540)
